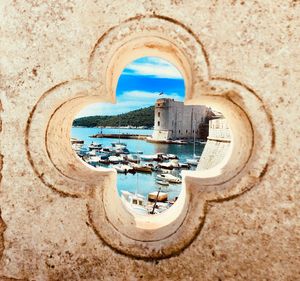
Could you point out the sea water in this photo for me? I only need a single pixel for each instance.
(140, 182)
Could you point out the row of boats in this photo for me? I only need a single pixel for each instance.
(119, 158)
(166, 169)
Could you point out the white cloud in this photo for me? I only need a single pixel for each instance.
(153, 66)
(128, 101)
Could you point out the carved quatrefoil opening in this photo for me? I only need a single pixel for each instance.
(58, 168)
(149, 136)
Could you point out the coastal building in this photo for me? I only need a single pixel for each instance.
(174, 120)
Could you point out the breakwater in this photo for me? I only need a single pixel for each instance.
(121, 136)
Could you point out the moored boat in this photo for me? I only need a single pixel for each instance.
(119, 145)
(180, 142)
(133, 158)
(147, 157)
(192, 161)
(167, 165)
(157, 196)
(184, 165)
(77, 141)
(95, 146)
(134, 202)
(172, 156)
(169, 178)
(122, 168)
(162, 182)
(141, 168)
(115, 159)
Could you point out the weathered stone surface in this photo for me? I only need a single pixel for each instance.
(46, 235)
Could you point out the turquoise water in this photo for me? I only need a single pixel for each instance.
(141, 183)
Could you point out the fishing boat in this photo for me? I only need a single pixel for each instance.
(169, 178)
(162, 182)
(134, 202)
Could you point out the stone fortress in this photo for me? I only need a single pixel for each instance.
(174, 120)
(60, 220)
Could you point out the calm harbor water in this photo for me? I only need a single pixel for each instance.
(139, 182)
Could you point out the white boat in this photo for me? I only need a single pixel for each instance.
(172, 156)
(119, 145)
(162, 182)
(146, 157)
(180, 142)
(93, 159)
(77, 147)
(115, 159)
(169, 178)
(174, 163)
(192, 161)
(134, 202)
(95, 146)
(165, 157)
(122, 168)
(184, 165)
(167, 165)
(133, 158)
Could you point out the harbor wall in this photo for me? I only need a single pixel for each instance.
(57, 214)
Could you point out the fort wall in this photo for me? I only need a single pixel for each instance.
(217, 145)
(174, 120)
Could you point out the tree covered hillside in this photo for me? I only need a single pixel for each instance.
(135, 118)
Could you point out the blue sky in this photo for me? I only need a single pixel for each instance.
(139, 86)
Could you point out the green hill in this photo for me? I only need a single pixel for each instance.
(135, 118)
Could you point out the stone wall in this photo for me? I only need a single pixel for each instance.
(174, 120)
(61, 220)
(217, 145)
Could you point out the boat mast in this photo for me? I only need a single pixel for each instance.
(194, 138)
(119, 129)
(155, 203)
(137, 184)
